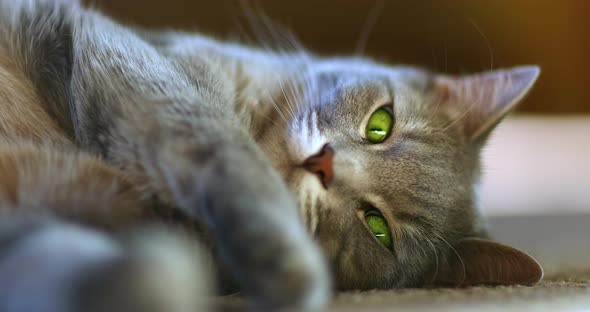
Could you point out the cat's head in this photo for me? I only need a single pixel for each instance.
(384, 163)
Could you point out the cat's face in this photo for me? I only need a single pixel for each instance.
(386, 207)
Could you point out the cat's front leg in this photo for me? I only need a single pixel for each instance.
(231, 186)
(180, 138)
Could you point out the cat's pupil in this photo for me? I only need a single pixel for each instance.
(379, 125)
(378, 226)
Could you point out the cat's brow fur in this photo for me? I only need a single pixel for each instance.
(107, 129)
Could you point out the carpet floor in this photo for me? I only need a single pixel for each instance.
(570, 292)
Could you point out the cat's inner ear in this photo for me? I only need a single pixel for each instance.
(478, 261)
(478, 102)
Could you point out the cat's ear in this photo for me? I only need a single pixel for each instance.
(478, 102)
(483, 262)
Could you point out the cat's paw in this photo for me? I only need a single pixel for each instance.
(163, 270)
(275, 259)
(57, 267)
(295, 278)
(267, 248)
(254, 221)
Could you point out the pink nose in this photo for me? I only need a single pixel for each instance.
(321, 165)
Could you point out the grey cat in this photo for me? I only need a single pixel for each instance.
(138, 169)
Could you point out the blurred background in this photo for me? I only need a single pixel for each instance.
(453, 36)
(536, 185)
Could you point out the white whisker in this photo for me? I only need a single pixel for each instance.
(436, 259)
(458, 256)
(274, 105)
(487, 41)
(372, 19)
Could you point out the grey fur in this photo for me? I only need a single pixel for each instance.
(218, 131)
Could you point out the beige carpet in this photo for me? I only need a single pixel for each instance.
(556, 293)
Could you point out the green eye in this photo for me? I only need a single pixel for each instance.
(379, 228)
(379, 126)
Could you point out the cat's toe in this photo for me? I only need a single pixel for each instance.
(164, 271)
(299, 279)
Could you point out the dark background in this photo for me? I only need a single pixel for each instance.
(454, 36)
